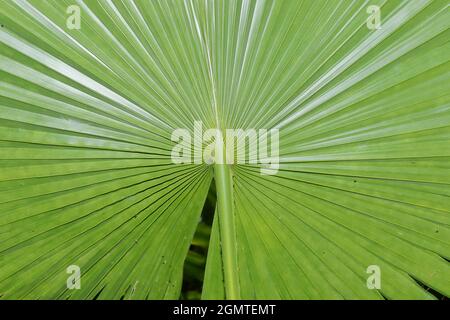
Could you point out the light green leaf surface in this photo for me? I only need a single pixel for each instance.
(86, 176)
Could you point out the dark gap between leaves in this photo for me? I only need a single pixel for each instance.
(195, 262)
(433, 292)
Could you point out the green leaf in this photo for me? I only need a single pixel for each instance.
(87, 179)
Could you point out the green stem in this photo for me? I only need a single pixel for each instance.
(224, 186)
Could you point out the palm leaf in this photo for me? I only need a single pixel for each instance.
(86, 118)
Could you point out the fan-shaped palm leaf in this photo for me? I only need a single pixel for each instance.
(86, 118)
